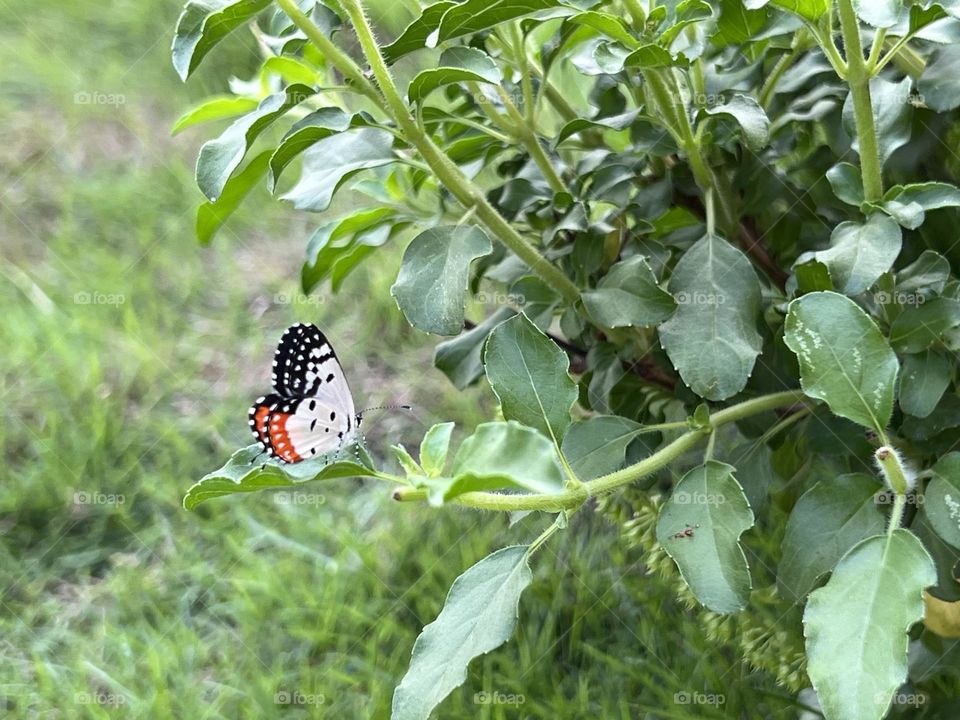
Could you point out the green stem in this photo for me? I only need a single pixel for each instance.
(527, 135)
(336, 57)
(574, 497)
(769, 87)
(907, 60)
(666, 94)
(462, 188)
(858, 78)
(526, 83)
(896, 514)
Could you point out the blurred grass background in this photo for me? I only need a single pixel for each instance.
(129, 357)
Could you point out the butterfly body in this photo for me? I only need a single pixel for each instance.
(312, 411)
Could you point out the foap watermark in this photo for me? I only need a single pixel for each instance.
(899, 298)
(83, 497)
(699, 698)
(888, 497)
(499, 298)
(99, 298)
(700, 298)
(298, 498)
(295, 697)
(484, 697)
(698, 498)
(904, 699)
(87, 97)
(298, 299)
(100, 698)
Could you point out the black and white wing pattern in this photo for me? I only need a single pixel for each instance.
(312, 411)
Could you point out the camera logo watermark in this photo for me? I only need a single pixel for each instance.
(698, 698)
(99, 298)
(498, 698)
(295, 697)
(86, 97)
(83, 497)
(298, 498)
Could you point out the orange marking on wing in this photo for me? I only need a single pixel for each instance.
(260, 420)
(280, 440)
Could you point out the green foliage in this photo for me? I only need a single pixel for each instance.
(618, 215)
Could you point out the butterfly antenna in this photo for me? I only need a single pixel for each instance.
(384, 407)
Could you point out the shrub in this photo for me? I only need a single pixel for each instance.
(709, 249)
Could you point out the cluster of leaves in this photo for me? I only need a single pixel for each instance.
(695, 208)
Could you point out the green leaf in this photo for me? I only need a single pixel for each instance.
(737, 25)
(614, 122)
(844, 359)
(434, 448)
(749, 115)
(879, 13)
(327, 163)
(847, 183)
(291, 70)
(500, 455)
(920, 197)
(460, 358)
(305, 132)
(215, 108)
(598, 445)
(920, 326)
(928, 274)
(809, 9)
(828, 520)
(712, 338)
(940, 83)
(709, 502)
(248, 470)
(942, 498)
(646, 56)
(204, 23)
(856, 625)
(607, 24)
(473, 16)
(892, 113)
(212, 215)
(414, 37)
(812, 275)
(332, 242)
(479, 615)
(221, 156)
(629, 295)
(528, 373)
(924, 379)
(434, 275)
(456, 65)
(859, 253)
(409, 465)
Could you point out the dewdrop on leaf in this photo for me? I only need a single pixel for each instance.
(899, 478)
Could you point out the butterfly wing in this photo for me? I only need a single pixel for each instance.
(312, 411)
(259, 418)
(303, 428)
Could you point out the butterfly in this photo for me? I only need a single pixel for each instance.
(312, 412)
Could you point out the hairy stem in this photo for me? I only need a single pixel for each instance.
(858, 78)
(462, 188)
